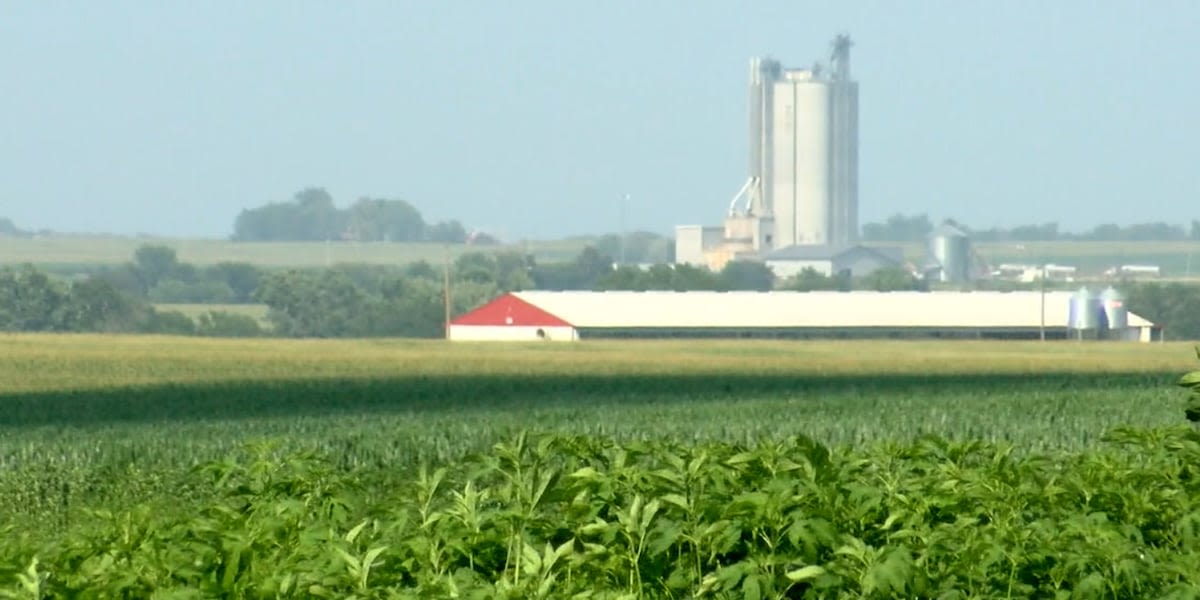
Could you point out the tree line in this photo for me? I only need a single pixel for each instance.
(310, 216)
(912, 228)
(359, 300)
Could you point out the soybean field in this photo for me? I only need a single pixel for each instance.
(184, 467)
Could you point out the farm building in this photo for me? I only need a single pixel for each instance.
(574, 315)
(830, 260)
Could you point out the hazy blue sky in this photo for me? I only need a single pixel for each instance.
(534, 118)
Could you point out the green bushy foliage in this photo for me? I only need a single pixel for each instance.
(586, 517)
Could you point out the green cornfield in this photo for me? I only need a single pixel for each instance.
(140, 465)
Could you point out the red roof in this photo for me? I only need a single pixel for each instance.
(510, 310)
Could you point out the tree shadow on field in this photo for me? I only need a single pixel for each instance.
(317, 397)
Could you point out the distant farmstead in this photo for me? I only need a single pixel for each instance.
(575, 315)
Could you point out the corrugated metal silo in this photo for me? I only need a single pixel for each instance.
(949, 253)
(1115, 313)
(1085, 311)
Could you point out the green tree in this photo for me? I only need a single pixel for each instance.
(748, 275)
(169, 322)
(153, 264)
(31, 301)
(891, 279)
(447, 232)
(9, 229)
(309, 216)
(302, 304)
(811, 280)
(219, 323)
(97, 305)
(1175, 306)
(375, 220)
(241, 278)
(899, 228)
(410, 307)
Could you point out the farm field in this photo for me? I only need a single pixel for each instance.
(1175, 258)
(80, 251)
(623, 469)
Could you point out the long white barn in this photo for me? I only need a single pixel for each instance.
(573, 315)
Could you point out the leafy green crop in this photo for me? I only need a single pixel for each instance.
(585, 517)
(698, 470)
(1191, 381)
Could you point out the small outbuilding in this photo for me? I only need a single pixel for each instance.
(830, 260)
(575, 315)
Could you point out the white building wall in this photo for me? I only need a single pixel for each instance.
(689, 245)
(694, 242)
(510, 333)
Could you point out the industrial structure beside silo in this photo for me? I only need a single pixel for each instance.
(802, 185)
(948, 255)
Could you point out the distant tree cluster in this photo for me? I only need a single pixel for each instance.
(311, 216)
(10, 229)
(636, 247)
(157, 275)
(905, 228)
(1175, 306)
(31, 300)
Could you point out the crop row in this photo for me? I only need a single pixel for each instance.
(83, 456)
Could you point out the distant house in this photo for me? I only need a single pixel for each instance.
(856, 260)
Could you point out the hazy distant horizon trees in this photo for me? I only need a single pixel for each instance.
(915, 228)
(311, 216)
(8, 228)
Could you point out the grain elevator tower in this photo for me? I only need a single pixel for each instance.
(802, 187)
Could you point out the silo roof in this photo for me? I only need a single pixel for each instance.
(831, 251)
(947, 230)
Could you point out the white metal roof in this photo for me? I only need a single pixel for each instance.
(807, 309)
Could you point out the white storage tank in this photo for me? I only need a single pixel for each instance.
(1116, 316)
(1085, 311)
(949, 254)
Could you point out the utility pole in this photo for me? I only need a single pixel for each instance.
(1043, 294)
(446, 286)
(621, 234)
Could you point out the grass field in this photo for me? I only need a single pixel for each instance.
(115, 422)
(82, 252)
(63, 252)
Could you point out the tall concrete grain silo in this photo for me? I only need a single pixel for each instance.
(803, 151)
(802, 159)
